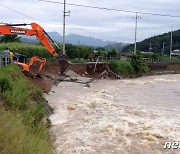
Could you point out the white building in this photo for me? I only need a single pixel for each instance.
(175, 52)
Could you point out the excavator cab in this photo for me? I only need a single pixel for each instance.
(19, 58)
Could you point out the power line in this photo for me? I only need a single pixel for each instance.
(93, 3)
(53, 23)
(150, 25)
(17, 12)
(25, 15)
(110, 9)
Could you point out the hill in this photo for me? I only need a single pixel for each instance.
(157, 43)
(71, 39)
(84, 40)
(118, 46)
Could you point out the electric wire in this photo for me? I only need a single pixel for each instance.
(111, 9)
(55, 23)
(93, 7)
(25, 15)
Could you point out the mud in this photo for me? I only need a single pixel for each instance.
(49, 74)
(51, 77)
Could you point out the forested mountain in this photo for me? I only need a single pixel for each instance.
(118, 46)
(156, 43)
(70, 39)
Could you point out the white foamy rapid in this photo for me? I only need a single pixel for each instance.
(125, 116)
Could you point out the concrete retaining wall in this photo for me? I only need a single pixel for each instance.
(160, 66)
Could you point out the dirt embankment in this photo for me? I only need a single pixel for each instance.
(50, 73)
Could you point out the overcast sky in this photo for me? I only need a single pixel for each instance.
(102, 24)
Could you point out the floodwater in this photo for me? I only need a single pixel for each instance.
(131, 116)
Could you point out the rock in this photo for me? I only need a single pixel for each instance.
(79, 79)
(104, 74)
(72, 107)
(87, 85)
(71, 73)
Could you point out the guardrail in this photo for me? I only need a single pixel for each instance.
(4, 60)
(162, 61)
(105, 59)
(148, 60)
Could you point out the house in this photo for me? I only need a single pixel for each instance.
(175, 52)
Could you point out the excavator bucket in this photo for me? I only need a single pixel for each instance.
(64, 65)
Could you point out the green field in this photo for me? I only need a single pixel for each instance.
(29, 50)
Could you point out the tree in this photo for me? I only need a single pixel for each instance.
(9, 38)
(83, 52)
(112, 53)
(71, 51)
(138, 64)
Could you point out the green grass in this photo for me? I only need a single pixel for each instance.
(123, 68)
(22, 129)
(17, 138)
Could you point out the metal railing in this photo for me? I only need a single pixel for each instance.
(148, 60)
(105, 59)
(162, 61)
(5, 60)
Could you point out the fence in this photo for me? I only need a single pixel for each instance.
(5, 60)
(105, 59)
(148, 60)
(162, 61)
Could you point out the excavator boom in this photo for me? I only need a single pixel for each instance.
(37, 30)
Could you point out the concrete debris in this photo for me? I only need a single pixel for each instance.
(87, 85)
(104, 74)
(79, 79)
(71, 73)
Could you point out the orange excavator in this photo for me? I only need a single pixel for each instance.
(43, 37)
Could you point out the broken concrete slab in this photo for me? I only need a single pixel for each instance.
(71, 73)
(79, 79)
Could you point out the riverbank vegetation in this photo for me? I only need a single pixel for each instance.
(133, 67)
(23, 126)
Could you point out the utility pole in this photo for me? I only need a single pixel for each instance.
(171, 44)
(64, 25)
(109, 46)
(163, 49)
(150, 47)
(137, 17)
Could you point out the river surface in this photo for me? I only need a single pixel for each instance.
(131, 116)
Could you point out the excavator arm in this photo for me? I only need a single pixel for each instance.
(37, 30)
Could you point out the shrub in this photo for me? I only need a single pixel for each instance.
(121, 67)
(138, 64)
(4, 84)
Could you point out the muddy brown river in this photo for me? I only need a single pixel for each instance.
(131, 116)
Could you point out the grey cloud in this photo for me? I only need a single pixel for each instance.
(106, 25)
